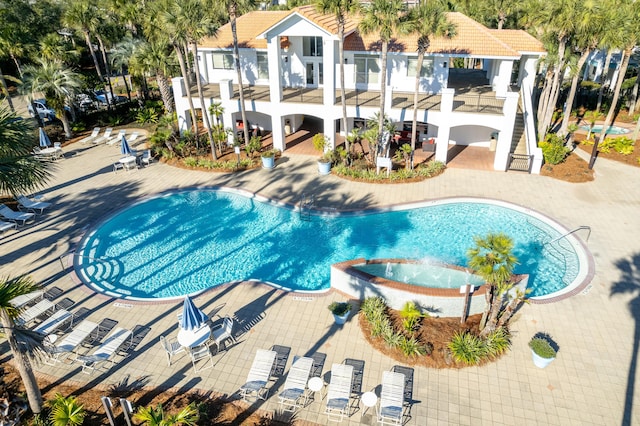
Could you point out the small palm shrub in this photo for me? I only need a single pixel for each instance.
(411, 315)
(467, 348)
(147, 115)
(497, 342)
(622, 145)
(410, 346)
(372, 306)
(66, 411)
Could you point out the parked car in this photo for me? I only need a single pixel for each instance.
(43, 110)
(103, 96)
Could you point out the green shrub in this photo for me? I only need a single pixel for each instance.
(78, 126)
(553, 149)
(411, 346)
(433, 168)
(191, 162)
(147, 115)
(497, 342)
(340, 308)
(622, 145)
(391, 338)
(468, 348)
(373, 306)
(66, 411)
(541, 347)
(411, 315)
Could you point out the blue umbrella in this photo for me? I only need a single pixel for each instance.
(44, 139)
(192, 317)
(125, 149)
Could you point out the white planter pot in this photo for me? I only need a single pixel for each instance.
(540, 362)
(324, 168)
(341, 319)
(268, 162)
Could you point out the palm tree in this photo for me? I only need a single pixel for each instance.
(591, 25)
(52, 47)
(341, 9)
(216, 110)
(492, 258)
(4, 90)
(233, 8)
(66, 411)
(167, 24)
(382, 17)
(426, 20)
(20, 172)
(155, 58)
(121, 55)
(59, 85)
(83, 16)
(21, 342)
(626, 19)
(200, 22)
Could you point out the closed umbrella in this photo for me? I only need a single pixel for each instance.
(125, 149)
(192, 317)
(44, 139)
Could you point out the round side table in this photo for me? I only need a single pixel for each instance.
(316, 384)
(369, 399)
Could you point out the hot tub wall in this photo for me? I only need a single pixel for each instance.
(439, 302)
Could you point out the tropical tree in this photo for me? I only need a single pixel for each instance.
(426, 20)
(155, 58)
(121, 55)
(53, 47)
(627, 19)
(20, 171)
(591, 25)
(155, 416)
(235, 8)
(23, 343)
(59, 85)
(82, 15)
(382, 17)
(216, 110)
(492, 258)
(340, 9)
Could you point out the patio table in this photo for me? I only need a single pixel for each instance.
(192, 338)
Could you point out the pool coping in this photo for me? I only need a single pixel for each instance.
(579, 284)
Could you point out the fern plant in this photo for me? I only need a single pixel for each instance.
(66, 411)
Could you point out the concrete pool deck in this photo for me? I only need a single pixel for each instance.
(591, 382)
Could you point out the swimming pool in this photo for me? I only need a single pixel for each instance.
(187, 242)
(612, 130)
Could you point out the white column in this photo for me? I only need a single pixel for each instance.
(330, 130)
(275, 68)
(444, 127)
(277, 132)
(329, 72)
(182, 104)
(503, 77)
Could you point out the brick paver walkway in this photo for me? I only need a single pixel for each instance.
(591, 382)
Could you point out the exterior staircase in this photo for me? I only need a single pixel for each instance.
(519, 160)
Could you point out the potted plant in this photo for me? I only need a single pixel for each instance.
(321, 143)
(542, 351)
(340, 311)
(268, 159)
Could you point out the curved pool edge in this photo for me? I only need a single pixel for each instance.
(579, 284)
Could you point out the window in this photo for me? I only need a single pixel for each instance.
(427, 67)
(222, 61)
(311, 46)
(367, 69)
(263, 66)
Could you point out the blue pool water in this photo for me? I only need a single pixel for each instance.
(186, 242)
(612, 130)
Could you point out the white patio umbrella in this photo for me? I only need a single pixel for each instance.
(44, 139)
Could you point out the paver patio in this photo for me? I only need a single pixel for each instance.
(591, 382)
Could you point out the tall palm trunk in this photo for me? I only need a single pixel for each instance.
(634, 94)
(23, 365)
(572, 92)
(87, 39)
(236, 60)
(414, 123)
(6, 90)
(17, 63)
(187, 83)
(343, 98)
(626, 54)
(604, 79)
(203, 108)
(107, 70)
(65, 124)
(165, 91)
(545, 122)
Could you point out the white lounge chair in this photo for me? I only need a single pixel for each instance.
(146, 158)
(74, 339)
(31, 205)
(20, 218)
(105, 351)
(391, 398)
(256, 385)
(26, 299)
(92, 137)
(106, 136)
(339, 392)
(35, 311)
(116, 139)
(55, 321)
(294, 394)
(133, 137)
